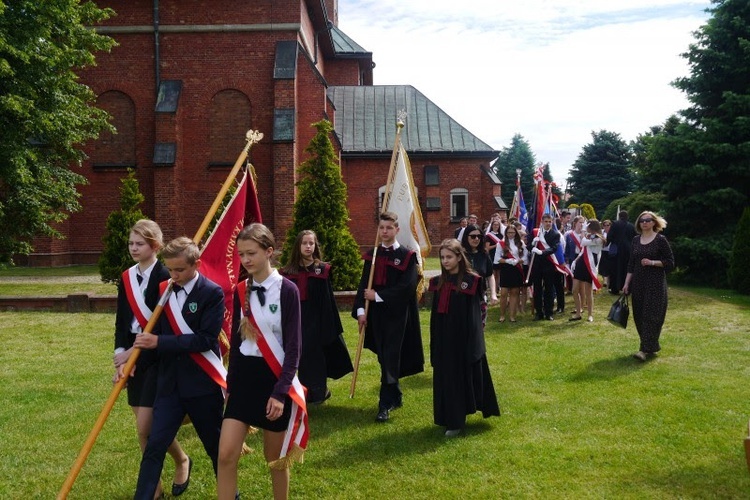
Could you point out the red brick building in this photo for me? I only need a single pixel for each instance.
(188, 78)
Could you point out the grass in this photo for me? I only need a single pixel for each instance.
(52, 281)
(12, 271)
(581, 418)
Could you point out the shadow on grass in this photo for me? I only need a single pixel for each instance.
(716, 479)
(608, 369)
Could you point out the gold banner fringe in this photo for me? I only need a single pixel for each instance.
(246, 450)
(295, 454)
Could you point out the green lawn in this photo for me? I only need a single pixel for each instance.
(581, 418)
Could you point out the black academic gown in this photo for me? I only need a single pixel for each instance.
(393, 331)
(324, 352)
(462, 383)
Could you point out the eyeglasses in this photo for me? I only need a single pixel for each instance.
(475, 236)
(646, 220)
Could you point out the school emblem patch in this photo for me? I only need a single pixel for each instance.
(192, 307)
(464, 285)
(318, 270)
(273, 307)
(397, 261)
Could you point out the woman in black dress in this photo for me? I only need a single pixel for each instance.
(262, 387)
(514, 255)
(137, 295)
(650, 260)
(481, 263)
(462, 384)
(324, 353)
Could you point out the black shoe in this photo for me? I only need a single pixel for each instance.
(321, 401)
(382, 415)
(179, 489)
(550, 318)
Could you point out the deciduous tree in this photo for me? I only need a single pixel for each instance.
(45, 114)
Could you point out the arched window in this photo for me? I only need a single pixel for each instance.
(229, 120)
(459, 203)
(116, 150)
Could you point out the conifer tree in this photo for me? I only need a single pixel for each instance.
(739, 271)
(115, 258)
(321, 207)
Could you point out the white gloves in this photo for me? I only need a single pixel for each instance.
(537, 251)
(512, 262)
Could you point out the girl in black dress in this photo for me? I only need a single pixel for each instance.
(514, 255)
(137, 295)
(462, 384)
(324, 353)
(262, 387)
(481, 263)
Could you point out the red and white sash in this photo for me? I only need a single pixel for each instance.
(207, 360)
(553, 258)
(587, 256)
(507, 250)
(576, 240)
(298, 432)
(135, 296)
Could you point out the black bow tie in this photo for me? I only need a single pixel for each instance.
(177, 288)
(261, 293)
(387, 249)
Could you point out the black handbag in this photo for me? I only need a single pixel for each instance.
(619, 312)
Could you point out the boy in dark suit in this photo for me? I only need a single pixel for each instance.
(544, 272)
(191, 376)
(391, 325)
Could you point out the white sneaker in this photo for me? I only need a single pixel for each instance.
(591, 319)
(452, 433)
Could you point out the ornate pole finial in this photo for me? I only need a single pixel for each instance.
(252, 137)
(400, 118)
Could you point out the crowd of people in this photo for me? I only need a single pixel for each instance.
(287, 337)
(574, 256)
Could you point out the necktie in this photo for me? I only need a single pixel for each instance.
(261, 293)
(139, 278)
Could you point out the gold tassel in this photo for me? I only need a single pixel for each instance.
(246, 450)
(295, 454)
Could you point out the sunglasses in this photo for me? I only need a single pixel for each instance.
(646, 220)
(475, 236)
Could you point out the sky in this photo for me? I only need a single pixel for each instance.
(553, 71)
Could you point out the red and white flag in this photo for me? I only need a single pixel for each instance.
(219, 260)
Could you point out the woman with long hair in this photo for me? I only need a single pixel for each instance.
(262, 387)
(137, 296)
(462, 384)
(512, 278)
(585, 270)
(481, 263)
(650, 260)
(324, 353)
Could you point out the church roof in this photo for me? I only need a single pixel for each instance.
(344, 46)
(366, 123)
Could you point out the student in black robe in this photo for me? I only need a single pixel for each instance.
(391, 325)
(481, 263)
(324, 353)
(462, 384)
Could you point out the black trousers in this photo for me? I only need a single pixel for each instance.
(169, 411)
(544, 285)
